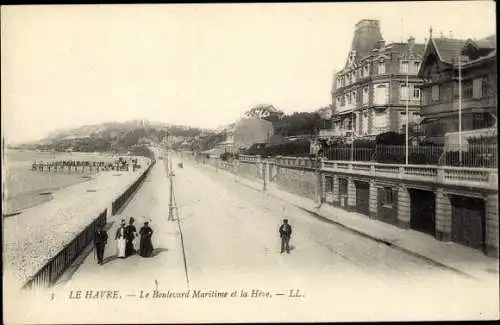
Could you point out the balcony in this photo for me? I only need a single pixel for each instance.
(452, 106)
(345, 108)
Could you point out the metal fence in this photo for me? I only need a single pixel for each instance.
(471, 155)
(56, 266)
(120, 201)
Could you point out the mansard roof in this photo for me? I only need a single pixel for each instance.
(384, 53)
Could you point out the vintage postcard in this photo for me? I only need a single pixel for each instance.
(291, 162)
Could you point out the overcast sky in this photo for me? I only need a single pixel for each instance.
(199, 65)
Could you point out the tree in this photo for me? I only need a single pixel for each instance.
(299, 123)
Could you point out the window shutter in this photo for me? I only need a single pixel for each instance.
(477, 88)
(403, 92)
(435, 92)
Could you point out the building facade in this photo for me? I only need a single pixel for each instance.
(447, 62)
(371, 92)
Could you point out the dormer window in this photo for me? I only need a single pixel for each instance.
(366, 70)
(381, 68)
(352, 56)
(404, 67)
(416, 66)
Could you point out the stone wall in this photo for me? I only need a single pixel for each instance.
(248, 170)
(443, 215)
(299, 181)
(492, 225)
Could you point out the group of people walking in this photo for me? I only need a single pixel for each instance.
(125, 237)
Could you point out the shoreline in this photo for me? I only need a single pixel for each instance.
(25, 189)
(25, 201)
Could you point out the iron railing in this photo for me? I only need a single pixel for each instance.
(56, 266)
(470, 155)
(118, 204)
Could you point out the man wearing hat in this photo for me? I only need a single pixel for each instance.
(285, 234)
(100, 241)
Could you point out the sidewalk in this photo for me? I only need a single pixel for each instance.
(447, 255)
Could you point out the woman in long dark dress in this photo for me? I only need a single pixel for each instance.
(146, 248)
(130, 234)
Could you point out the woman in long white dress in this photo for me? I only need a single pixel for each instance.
(120, 240)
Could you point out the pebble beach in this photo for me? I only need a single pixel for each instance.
(39, 233)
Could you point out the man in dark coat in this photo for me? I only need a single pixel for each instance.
(100, 241)
(285, 234)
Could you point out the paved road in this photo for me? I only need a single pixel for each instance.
(231, 242)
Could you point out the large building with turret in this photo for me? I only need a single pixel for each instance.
(370, 93)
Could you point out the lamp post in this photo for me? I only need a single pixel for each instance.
(170, 176)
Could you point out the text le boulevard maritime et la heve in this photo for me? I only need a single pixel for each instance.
(170, 294)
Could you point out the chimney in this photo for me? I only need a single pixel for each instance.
(380, 44)
(411, 43)
(366, 35)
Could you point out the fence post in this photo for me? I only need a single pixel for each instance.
(440, 174)
(493, 177)
(401, 172)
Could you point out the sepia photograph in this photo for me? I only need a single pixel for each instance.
(249, 162)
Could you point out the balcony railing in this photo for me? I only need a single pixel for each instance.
(472, 155)
(476, 177)
(452, 106)
(486, 178)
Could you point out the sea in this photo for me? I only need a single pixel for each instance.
(23, 188)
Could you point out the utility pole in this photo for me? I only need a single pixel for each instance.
(460, 108)
(264, 173)
(407, 117)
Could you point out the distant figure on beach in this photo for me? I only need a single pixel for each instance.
(146, 248)
(285, 234)
(130, 234)
(120, 239)
(100, 241)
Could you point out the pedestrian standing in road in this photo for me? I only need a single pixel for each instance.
(130, 234)
(100, 241)
(285, 234)
(120, 239)
(146, 247)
